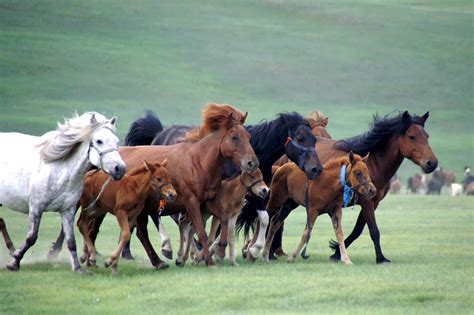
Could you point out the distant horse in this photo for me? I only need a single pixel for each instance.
(124, 199)
(39, 174)
(341, 178)
(435, 183)
(414, 184)
(448, 177)
(468, 178)
(456, 189)
(395, 185)
(390, 140)
(288, 134)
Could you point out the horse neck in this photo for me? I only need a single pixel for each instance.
(209, 154)
(78, 162)
(384, 162)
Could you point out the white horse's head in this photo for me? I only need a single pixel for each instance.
(103, 151)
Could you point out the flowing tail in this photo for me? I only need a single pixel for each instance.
(143, 130)
(246, 219)
(333, 245)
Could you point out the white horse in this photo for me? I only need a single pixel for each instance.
(39, 174)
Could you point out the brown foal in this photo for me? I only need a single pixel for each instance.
(124, 199)
(323, 195)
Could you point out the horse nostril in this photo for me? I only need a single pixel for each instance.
(117, 168)
(250, 164)
(429, 163)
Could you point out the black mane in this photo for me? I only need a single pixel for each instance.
(380, 131)
(268, 138)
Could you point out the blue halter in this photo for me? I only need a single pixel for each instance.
(348, 190)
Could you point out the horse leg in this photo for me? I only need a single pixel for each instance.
(166, 249)
(58, 244)
(275, 224)
(94, 227)
(301, 249)
(255, 249)
(194, 212)
(142, 234)
(277, 246)
(88, 251)
(123, 221)
(183, 226)
(8, 240)
(337, 225)
(356, 232)
(369, 214)
(231, 240)
(34, 217)
(68, 222)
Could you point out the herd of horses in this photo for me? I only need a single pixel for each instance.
(246, 177)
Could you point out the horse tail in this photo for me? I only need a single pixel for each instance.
(143, 130)
(333, 245)
(246, 219)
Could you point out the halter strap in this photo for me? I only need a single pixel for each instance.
(348, 190)
(249, 188)
(101, 154)
(305, 150)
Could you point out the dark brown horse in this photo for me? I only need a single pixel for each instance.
(324, 195)
(389, 140)
(124, 199)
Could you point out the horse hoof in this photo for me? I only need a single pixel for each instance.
(161, 266)
(127, 255)
(52, 255)
(107, 263)
(82, 259)
(167, 253)
(244, 254)
(234, 264)
(335, 257)
(290, 260)
(179, 263)
(91, 263)
(272, 257)
(250, 258)
(210, 262)
(383, 261)
(348, 263)
(13, 266)
(280, 253)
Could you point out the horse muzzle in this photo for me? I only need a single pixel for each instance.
(429, 166)
(118, 171)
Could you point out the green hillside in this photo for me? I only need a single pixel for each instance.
(348, 59)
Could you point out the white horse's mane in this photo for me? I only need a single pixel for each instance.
(58, 144)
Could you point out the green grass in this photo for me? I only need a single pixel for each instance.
(349, 59)
(429, 239)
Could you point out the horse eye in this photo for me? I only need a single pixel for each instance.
(358, 173)
(235, 138)
(412, 137)
(99, 142)
(159, 179)
(300, 139)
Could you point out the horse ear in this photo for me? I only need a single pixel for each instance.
(230, 120)
(406, 115)
(93, 119)
(365, 158)
(244, 117)
(164, 163)
(425, 116)
(113, 121)
(325, 121)
(351, 158)
(148, 166)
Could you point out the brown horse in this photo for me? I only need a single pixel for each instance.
(124, 199)
(230, 198)
(324, 195)
(390, 140)
(195, 169)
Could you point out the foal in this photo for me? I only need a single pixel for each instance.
(230, 198)
(328, 194)
(124, 199)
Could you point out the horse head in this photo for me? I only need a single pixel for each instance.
(103, 147)
(358, 177)
(254, 183)
(160, 180)
(414, 143)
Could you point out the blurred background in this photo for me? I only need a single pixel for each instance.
(347, 59)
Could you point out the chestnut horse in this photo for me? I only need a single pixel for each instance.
(124, 199)
(268, 139)
(390, 140)
(341, 178)
(195, 168)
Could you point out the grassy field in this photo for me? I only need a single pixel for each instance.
(349, 59)
(429, 239)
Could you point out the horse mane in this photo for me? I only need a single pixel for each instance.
(214, 116)
(381, 129)
(58, 144)
(316, 118)
(267, 138)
